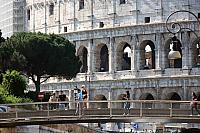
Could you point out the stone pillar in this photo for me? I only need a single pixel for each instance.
(109, 96)
(74, 13)
(137, 61)
(185, 90)
(185, 52)
(45, 17)
(111, 56)
(33, 14)
(90, 56)
(133, 54)
(158, 52)
(92, 14)
(135, 64)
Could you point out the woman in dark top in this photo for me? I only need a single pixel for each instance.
(194, 103)
(85, 96)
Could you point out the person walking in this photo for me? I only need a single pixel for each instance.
(127, 103)
(193, 103)
(79, 104)
(85, 96)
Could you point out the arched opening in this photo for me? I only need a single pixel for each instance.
(126, 63)
(196, 53)
(123, 56)
(102, 59)
(169, 46)
(121, 97)
(174, 96)
(104, 65)
(147, 96)
(198, 96)
(83, 53)
(100, 97)
(147, 55)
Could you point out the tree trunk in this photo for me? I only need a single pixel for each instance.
(37, 84)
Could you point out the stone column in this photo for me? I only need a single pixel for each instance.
(133, 54)
(33, 14)
(90, 56)
(185, 51)
(185, 90)
(137, 54)
(111, 55)
(92, 14)
(158, 52)
(45, 16)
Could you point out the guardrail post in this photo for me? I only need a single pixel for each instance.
(141, 109)
(48, 109)
(16, 114)
(110, 108)
(171, 109)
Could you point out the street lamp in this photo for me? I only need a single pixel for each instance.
(175, 28)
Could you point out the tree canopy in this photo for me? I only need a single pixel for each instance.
(40, 56)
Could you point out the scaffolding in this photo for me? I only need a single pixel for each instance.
(12, 15)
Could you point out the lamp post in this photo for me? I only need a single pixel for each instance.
(176, 28)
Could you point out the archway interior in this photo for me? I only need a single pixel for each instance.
(147, 96)
(126, 63)
(123, 60)
(198, 96)
(104, 60)
(174, 96)
(176, 46)
(196, 53)
(147, 53)
(100, 97)
(83, 53)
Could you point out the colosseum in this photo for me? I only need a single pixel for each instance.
(125, 44)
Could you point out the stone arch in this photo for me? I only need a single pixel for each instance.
(120, 97)
(174, 96)
(177, 63)
(123, 56)
(102, 59)
(147, 55)
(100, 97)
(147, 96)
(83, 54)
(198, 96)
(195, 53)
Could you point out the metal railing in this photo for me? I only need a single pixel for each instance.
(97, 110)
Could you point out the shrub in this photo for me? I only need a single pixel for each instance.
(14, 83)
(5, 97)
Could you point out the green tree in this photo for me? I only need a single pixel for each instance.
(1, 40)
(14, 83)
(40, 56)
(6, 98)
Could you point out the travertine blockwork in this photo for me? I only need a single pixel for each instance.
(103, 30)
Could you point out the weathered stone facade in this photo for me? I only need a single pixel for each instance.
(103, 30)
